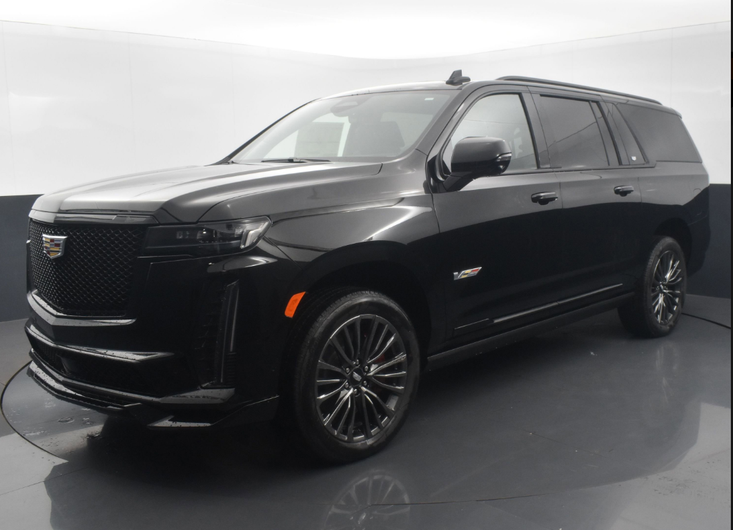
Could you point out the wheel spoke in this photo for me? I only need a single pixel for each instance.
(346, 414)
(396, 389)
(387, 410)
(675, 275)
(338, 408)
(349, 344)
(658, 275)
(329, 395)
(390, 375)
(374, 409)
(358, 338)
(368, 347)
(397, 360)
(341, 351)
(322, 382)
(352, 407)
(383, 350)
(365, 412)
(376, 346)
(323, 365)
(658, 308)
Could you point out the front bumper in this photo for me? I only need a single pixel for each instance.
(200, 345)
(204, 408)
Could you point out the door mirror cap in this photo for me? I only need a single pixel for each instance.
(480, 156)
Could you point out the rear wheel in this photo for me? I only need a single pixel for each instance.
(357, 370)
(657, 306)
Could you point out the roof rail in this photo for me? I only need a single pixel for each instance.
(570, 85)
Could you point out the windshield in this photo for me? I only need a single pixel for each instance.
(374, 127)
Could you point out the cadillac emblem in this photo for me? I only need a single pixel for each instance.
(53, 246)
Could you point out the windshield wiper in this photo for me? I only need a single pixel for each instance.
(295, 160)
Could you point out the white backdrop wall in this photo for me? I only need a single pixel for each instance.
(78, 105)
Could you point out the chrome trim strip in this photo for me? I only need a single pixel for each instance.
(53, 317)
(475, 323)
(117, 355)
(90, 218)
(574, 298)
(525, 313)
(556, 304)
(212, 396)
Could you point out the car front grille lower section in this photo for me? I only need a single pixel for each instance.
(94, 274)
(87, 369)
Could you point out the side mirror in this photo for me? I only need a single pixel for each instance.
(480, 156)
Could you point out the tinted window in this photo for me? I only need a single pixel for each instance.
(501, 116)
(626, 139)
(374, 126)
(574, 133)
(662, 134)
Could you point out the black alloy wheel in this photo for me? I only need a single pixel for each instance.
(657, 306)
(357, 369)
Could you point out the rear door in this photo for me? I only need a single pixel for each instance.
(601, 234)
(499, 247)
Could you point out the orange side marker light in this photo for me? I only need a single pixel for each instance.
(293, 305)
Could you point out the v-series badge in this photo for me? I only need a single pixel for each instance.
(470, 273)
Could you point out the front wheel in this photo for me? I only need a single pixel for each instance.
(657, 306)
(357, 370)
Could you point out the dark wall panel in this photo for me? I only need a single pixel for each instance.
(712, 280)
(13, 233)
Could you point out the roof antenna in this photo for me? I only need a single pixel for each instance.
(457, 78)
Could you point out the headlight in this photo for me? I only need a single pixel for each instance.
(207, 239)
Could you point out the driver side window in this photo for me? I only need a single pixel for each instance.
(499, 116)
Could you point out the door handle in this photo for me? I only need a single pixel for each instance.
(623, 190)
(545, 197)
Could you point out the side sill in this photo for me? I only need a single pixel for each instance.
(504, 339)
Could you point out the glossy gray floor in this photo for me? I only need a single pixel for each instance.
(585, 428)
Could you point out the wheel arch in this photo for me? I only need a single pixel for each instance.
(386, 267)
(679, 230)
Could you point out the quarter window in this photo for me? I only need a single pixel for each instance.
(662, 134)
(575, 139)
(499, 116)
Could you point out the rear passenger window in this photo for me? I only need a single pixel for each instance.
(575, 139)
(499, 116)
(627, 138)
(662, 134)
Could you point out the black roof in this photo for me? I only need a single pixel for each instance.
(537, 81)
(442, 85)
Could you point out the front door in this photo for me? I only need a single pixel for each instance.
(500, 243)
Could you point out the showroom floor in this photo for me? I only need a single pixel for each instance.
(584, 428)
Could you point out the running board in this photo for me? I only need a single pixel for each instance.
(504, 339)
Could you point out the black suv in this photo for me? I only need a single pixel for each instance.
(358, 241)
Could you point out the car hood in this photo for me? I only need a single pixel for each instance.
(219, 191)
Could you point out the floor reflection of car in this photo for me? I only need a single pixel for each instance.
(185, 478)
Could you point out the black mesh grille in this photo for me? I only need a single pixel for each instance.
(95, 274)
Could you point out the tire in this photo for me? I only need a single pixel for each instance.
(357, 366)
(656, 308)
